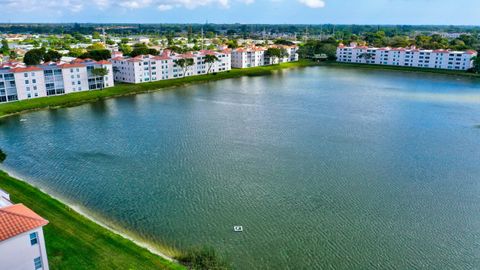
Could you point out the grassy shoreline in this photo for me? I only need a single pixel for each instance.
(76, 242)
(123, 89)
(401, 68)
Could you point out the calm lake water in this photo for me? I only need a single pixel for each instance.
(325, 168)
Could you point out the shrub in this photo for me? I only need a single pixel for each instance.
(204, 258)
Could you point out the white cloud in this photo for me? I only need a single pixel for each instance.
(79, 5)
(313, 3)
(163, 7)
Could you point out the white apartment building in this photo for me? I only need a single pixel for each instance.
(255, 56)
(49, 79)
(22, 244)
(409, 57)
(148, 68)
(248, 57)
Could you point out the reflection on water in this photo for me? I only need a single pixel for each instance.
(324, 168)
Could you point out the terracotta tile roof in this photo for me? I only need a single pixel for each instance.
(17, 219)
(79, 60)
(207, 52)
(161, 57)
(104, 62)
(26, 69)
(72, 65)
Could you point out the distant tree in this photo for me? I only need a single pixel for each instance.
(125, 49)
(100, 73)
(52, 55)
(275, 53)
(284, 42)
(5, 49)
(184, 63)
(97, 55)
(142, 49)
(210, 59)
(34, 56)
(96, 46)
(96, 35)
(76, 52)
(124, 40)
(232, 44)
(178, 49)
(13, 55)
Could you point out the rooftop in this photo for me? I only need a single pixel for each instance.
(17, 219)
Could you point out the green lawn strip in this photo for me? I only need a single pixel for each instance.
(75, 242)
(401, 68)
(121, 89)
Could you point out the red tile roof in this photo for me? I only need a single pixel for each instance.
(26, 69)
(72, 65)
(161, 57)
(104, 62)
(17, 219)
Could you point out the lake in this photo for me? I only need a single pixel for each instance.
(325, 168)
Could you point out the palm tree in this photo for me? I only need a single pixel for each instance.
(273, 53)
(366, 56)
(184, 63)
(210, 59)
(100, 72)
(476, 64)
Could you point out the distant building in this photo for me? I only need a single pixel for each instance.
(248, 57)
(148, 68)
(22, 244)
(254, 56)
(18, 82)
(408, 57)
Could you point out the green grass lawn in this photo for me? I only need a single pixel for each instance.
(401, 68)
(75, 242)
(129, 89)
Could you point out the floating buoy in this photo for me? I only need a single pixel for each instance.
(238, 228)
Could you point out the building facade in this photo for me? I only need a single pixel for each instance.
(148, 68)
(408, 57)
(256, 56)
(49, 79)
(22, 244)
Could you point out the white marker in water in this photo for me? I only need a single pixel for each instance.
(238, 228)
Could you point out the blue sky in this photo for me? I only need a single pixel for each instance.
(464, 12)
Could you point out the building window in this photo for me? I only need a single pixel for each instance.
(33, 238)
(38, 263)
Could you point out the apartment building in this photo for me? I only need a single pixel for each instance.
(147, 68)
(255, 56)
(22, 244)
(409, 57)
(18, 82)
(248, 57)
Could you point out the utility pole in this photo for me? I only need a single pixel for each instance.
(202, 38)
(104, 36)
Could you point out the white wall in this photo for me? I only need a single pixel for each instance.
(17, 253)
(79, 75)
(35, 86)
